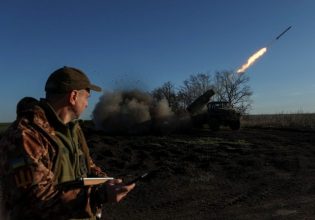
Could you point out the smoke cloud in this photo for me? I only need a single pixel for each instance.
(131, 112)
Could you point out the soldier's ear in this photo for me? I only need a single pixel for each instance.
(73, 96)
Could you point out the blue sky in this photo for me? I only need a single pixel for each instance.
(145, 43)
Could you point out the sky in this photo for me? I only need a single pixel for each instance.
(145, 43)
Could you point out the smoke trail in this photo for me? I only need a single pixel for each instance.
(251, 60)
(129, 112)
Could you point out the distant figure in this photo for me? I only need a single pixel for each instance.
(24, 105)
(45, 148)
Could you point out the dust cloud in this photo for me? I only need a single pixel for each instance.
(133, 112)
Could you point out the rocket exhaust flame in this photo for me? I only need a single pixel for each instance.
(251, 60)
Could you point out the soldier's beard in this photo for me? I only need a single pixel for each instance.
(74, 113)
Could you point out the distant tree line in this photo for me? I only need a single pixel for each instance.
(228, 86)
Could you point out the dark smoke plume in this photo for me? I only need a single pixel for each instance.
(132, 112)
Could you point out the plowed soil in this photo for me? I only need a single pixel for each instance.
(248, 174)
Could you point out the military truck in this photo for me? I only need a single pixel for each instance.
(222, 113)
(215, 114)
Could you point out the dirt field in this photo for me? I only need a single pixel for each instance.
(249, 174)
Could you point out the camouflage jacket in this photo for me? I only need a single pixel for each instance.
(38, 153)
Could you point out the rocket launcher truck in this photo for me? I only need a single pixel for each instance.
(215, 114)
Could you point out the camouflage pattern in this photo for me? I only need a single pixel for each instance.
(37, 153)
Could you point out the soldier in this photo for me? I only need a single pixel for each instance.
(23, 105)
(45, 147)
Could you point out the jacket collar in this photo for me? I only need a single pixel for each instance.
(54, 119)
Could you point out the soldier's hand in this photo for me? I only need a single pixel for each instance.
(116, 190)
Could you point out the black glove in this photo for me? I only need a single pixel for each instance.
(99, 195)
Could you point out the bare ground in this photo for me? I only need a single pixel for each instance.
(249, 174)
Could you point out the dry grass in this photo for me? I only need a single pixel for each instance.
(298, 121)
